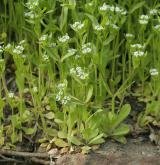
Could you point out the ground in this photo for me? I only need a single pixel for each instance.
(135, 152)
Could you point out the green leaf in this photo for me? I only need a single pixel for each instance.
(60, 143)
(121, 130)
(74, 140)
(89, 95)
(124, 112)
(49, 115)
(97, 140)
(51, 132)
(137, 6)
(29, 131)
(62, 135)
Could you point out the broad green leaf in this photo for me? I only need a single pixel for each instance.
(51, 132)
(29, 131)
(62, 135)
(97, 140)
(49, 115)
(61, 143)
(89, 95)
(124, 112)
(137, 6)
(121, 130)
(74, 140)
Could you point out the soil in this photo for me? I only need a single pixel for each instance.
(135, 152)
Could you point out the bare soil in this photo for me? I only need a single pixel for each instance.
(135, 152)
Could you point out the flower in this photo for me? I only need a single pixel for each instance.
(1, 49)
(154, 72)
(138, 53)
(65, 100)
(18, 49)
(129, 35)
(98, 28)
(11, 95)
(64, 38)
(86, 48)
(143, 20)
(153, 12)
(79, 72)
(157, 27)
(105, 7)
(31, 15)
(72, 51)
(43, 38)
(35, 89)
(137, 46)
(32, 4)
(45, 57)
(77, 26)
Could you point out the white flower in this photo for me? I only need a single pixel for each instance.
(86, 48)
(98, 28)
(138, 53)
(18, 49)
(11, 95)
(157, 27)
(45, 57)
(77, 26)
(59, 95)
(114, 26)
(35, 89)
(79, 72)
(154, 72)
(64, 38)
(31, 15)
(1, 49)
(143, 20)
(61, 86)
(104, 7)
(153, 12)
(137, 46)
(8, 46)
(43, 38)
(72, 51)
(129, 35)
(31, 4)
(72, 71)
(65, 100)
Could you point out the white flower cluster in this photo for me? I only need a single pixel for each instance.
(71, 51)
(79, 72)
(129, 36)
(86, 48)
(137, 46)
(64, 38)
(8, 46)
(157, 27)
(65, 100)
(31, 15)
(18, 49)
(153, 12)
(154, 72)
(116, 9)
(60, 95)
(35, 89)
(77, 26)
(137, 50)
(138, 53)
(1, 49)
(43, 38)
(143, 19)
(32, 4)
(45, 58)
(11, 95)
(98, 28)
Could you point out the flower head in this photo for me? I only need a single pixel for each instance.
(154, 72)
